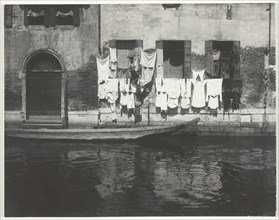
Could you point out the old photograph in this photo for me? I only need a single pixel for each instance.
(146, 109)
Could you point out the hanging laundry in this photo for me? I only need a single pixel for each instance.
(172, 86)
(214, 92)
(160, 72)
(113, 63)
(112, 90)
(122, 59)
(198, 97)
(131, 100)
(185, 99)
(160, 57)
(146, 76)
(113, 55)
(148, 59)
(210, 64)
(124, 90)
(102, 90)
(198, 73)
(216, 54)
(148, 62)
(158, 85)
(103, 69)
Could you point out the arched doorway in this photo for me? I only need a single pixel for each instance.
(43, 87)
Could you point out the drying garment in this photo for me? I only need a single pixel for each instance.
(131, 53)
(213, 102)
(160, 60)
(103, 69)
(198, 97)
(102, 90)
(172, 86)
(160, 71)
(148, 59)
(189, 87)
(161, 95)
(113, 74)
(123, 73)
(146, 76)
(124, 90)
(131, 100)
(210, 64)
(185, 99)
(112, 90)
(122, 59)
(113, 55)
(113, 66)
(214, 88)
(199, 73)
(216, 54)
(136, 63)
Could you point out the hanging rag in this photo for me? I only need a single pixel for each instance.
(198, 73)
(148, 59)
(148, 62)
(185, 99)
(160, 57)
(113, 62)
(112, 90)
(124, 90)
(122, 59)
(214, 92)
(103, 69)
(210, 64)
(216, 54)
(172, 86)
(198, 97)
(102, 90)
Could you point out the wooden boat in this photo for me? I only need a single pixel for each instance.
(103, 133)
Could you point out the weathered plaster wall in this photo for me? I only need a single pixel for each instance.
(74, 44)
(195, 22)
(200, 23)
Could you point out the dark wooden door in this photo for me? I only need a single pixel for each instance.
(43, 94)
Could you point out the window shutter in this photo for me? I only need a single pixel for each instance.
(236, 60)
(139, 43)
(8, 15)
(76, 15)
(159, 44)
(208, 47)
(112, 44)
(26, 19)
(52, 15)
(47, 15)
(187, 59)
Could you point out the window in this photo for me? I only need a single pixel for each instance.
(8, 16)
(51, 15)
(226, 59)
(176, 58)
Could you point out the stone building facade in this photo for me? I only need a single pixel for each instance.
(61, 43)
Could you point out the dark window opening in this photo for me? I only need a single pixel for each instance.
(223, 65)
(173, 53)
(8, 16)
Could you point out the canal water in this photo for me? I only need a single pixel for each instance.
(197, 176)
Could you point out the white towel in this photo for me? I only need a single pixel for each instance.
(112, 90)
(214, 88)
(113, 55)
(148, 59)
(172, 86)
(124, 90)
(103, 69)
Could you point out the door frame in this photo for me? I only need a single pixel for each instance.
(63, 82)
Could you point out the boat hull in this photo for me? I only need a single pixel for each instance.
(104, 133)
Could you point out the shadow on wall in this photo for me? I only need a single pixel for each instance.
(251, 69)
(82, 87)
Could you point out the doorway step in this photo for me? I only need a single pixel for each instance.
(37, 124)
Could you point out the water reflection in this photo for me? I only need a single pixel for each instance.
(167, 176)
